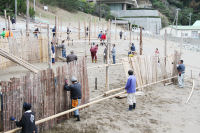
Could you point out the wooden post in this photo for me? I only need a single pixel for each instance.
(56, 25)
(107, 58)
(115, 29)
(181, 47)
(15, 10)
(95, 28)
(89, 34)
(79, 29)
(141, 47)
(165, 48)
(96, 83)
(27, 17)
(49, 47)
(34, 5)
(130, 30)
(6, 26)
(9, 25)
(175, 62)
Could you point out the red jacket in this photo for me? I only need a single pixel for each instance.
(103, 37)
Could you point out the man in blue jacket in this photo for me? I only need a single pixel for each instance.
(181, 72)
(131, 89)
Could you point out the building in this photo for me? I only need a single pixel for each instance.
(148, 19)
(192, 31)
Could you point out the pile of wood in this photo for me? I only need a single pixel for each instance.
(19, 61)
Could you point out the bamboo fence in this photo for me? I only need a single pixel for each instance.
(45, 91)
(32, 50)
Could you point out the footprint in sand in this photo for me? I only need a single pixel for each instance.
(153, 121)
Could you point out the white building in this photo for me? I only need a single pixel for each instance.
(192, 31)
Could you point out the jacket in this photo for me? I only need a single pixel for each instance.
(132, 48)
(27, 122)
(71, 57)
(113, 52)
(131, 84)
(3, 34)
(75, 90)
(181, 68)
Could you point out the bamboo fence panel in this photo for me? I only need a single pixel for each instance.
(45, 91)
(32, 50)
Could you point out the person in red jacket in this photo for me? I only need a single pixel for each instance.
(103, 38)
(93, 51)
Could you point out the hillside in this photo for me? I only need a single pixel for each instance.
(168, 8)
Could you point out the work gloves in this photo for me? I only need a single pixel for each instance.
(12, 118)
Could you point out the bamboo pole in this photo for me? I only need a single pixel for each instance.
(79, 28)
(5, 15)
(27, 17)
(130, 30)
(115, 28)
(191, 91)
(83, 106)
(141, 47)
(89, 34)
(9, 26)
(165, 47)
(49, 47)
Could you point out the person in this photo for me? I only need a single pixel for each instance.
(75, 90)
(68, 33)
(36, 31)
(131, 89)
(105, 55)
(63, 48)
(13, 23)
(54, 31)
(93, 51)
(181, 72)
(120, 34)
(3, 33)
(125, 35)
(113, 53)
(133, 47)
(87, 32)
(157, 53)
(27, 121)
(52, 52)
(103, 38)
(9, 33)
(71, 57)
(99, 37)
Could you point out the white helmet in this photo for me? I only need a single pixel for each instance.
(73, 79)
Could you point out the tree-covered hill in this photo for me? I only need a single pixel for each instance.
(168, 8)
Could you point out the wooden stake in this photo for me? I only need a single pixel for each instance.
(9, 26)
(96, 83)
(130, 30)
(115, 29)
(27, 17)
(49, 47)
(141, 47)
(15, 11)
(165, 48)
(181, 47)
(89, 34)
(79, 28)
(6, 26)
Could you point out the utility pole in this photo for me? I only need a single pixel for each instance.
(27, 17)
(190, 17)
(34, 5)
(15, 10)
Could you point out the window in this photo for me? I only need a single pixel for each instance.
(194, 34)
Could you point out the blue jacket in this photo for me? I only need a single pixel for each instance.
(131, 84)
(133, 48)
(181, 68)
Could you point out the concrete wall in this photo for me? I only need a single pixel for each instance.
(116, 7)
(149, 24)
(134, 13)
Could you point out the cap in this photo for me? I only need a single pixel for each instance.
(73, 79)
